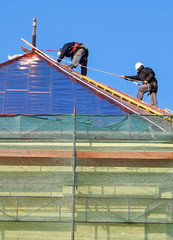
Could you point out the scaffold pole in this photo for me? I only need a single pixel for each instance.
(74, 173)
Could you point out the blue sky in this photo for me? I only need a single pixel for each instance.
(118, 33)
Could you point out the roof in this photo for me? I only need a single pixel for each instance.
(36, 84)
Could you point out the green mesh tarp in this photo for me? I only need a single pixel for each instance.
(89, 127)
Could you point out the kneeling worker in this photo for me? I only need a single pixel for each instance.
(149, 82)
(77, 52)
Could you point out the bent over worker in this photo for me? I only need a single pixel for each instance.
(149, 83)
(77, 52)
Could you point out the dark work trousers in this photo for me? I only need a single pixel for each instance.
(83, 62)
(144, 88)
(82, 58)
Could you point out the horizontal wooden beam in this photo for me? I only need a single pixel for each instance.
(124, 155)
(86, 154)
(86, 158)
(35, 153)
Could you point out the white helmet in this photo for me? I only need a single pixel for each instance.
(138, 65)
(59, 53)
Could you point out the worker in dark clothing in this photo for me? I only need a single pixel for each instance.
(77, 52)
(149, 83)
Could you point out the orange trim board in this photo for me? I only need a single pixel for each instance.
(85, 154)
(124, 155)
(35, 153)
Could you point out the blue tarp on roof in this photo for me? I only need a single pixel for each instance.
(29, 85)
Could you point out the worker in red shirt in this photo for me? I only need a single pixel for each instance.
(77, 52)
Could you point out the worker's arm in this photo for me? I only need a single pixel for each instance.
(136, 77)
(150, 75)
(64, 50)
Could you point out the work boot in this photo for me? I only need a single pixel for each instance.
(70, 66)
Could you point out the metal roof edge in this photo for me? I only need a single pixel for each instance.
(12, 60)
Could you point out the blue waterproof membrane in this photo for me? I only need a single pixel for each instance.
(32, 86)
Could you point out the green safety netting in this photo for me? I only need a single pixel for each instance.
(130, 127)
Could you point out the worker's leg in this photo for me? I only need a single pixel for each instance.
(77, 57)
(143, 89)
(153, 99)
(153, 94)
(83, 63)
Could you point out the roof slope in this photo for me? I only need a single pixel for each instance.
(36, 84)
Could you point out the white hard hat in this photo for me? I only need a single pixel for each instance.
(58, 53)
(138, 65)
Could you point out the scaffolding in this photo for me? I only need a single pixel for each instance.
(86, 177)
